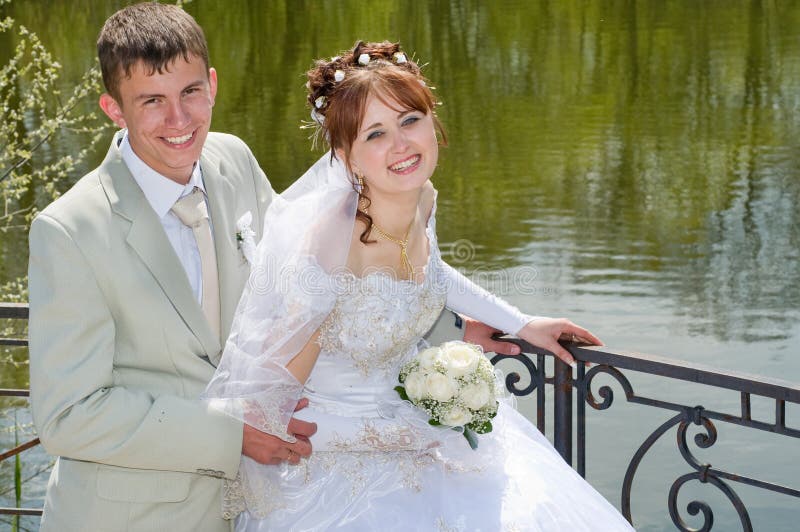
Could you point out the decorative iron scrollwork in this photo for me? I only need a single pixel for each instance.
(696, 415)
(704, 473)
(605, 391)
(513, 378)
(610, 363)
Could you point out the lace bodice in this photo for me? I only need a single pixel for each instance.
(375, 326)
(378, 320)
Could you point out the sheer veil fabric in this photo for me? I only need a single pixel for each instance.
(306, 240)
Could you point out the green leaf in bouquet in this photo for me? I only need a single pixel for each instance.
(402, 392)
(433, 422)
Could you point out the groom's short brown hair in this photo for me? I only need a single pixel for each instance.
(154, 33)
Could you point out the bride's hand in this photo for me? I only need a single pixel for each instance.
(546, 332)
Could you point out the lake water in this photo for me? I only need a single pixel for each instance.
(638, 160)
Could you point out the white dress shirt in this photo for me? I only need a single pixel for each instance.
(162, 193)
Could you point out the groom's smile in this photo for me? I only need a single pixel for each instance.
(167, 114)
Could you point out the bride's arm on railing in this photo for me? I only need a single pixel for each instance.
(466, 297)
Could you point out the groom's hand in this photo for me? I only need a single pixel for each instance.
(477, 332)
(268, 449)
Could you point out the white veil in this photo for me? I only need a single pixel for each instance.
(306, 239)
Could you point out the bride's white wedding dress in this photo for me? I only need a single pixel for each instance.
(376, 464)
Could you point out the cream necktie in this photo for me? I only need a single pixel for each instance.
(191, 210)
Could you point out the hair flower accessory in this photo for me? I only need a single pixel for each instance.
(363, 59)
(338, 75)
(319, 118)
(319, 102)
(400, 58)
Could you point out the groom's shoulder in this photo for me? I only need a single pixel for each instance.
(225, 146)
(233, 158)
(85, 196)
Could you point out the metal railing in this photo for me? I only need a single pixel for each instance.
(612, 363)
(571, 395)
(16, 311)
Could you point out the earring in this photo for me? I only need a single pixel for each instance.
(362, 199)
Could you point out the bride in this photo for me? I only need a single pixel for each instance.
(346, 280)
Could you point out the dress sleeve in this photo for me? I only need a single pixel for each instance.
(465, 297)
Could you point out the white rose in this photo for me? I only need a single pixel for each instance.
(456, 417)
(440, 387)
(428, 357)
(459, 358)
(415, 385)
(476, 396)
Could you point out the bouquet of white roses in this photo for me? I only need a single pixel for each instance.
(455, 384)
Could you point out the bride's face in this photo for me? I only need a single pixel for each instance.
(396, 149)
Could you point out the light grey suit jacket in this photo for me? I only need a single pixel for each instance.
(120, 350)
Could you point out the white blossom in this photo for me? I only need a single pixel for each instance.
(459, 358)
(440, 387)
(456, 417)
(476, 395)
(428, 357)
(415, 386)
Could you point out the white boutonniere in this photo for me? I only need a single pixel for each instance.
(246, 237)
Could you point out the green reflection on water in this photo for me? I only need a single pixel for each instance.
(621, 142)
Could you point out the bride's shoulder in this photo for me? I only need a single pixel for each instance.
(428, 198)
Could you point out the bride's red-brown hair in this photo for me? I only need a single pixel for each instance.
(338, 90)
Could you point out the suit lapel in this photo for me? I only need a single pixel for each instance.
(146, 236)
(222, 205)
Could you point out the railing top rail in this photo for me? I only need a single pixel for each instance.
(14, 392)
(14, 310)
(680, 369)
(659, 365)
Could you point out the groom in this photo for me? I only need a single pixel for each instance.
(130, 302)
(129, 306)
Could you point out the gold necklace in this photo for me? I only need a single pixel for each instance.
(405, 262)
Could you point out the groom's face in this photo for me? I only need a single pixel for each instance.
(167, 114)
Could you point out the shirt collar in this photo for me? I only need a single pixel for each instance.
(161, 192)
